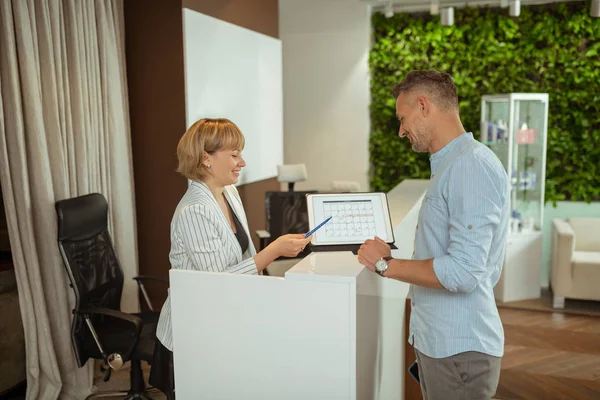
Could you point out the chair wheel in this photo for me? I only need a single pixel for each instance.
(143, 396)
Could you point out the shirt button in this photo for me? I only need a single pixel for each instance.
(432, 175)
(412, 303)
(417, 226)
(469, 227)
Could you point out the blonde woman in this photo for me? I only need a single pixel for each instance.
(209, 230)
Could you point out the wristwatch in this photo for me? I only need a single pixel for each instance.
(382, 265)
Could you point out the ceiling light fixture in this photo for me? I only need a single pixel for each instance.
(389, 10)
(447, 16)
(515, 8)
(595, 9)
(435, 7)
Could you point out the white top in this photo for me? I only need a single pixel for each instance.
(341, 266)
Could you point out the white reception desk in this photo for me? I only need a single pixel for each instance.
(329, 330)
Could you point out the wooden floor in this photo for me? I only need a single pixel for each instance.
(550, 356)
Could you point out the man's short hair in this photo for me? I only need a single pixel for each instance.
(439, 87)
(206, 135)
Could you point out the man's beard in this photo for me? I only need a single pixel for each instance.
(419, 144)
(417, 149)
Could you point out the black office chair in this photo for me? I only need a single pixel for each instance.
(99, 329)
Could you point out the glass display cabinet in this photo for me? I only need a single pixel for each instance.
(514, 126)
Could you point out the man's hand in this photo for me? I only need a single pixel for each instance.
(371, 251)
(417, 272)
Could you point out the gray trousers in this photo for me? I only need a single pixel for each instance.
(464, 376)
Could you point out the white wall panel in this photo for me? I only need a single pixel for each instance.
(233, 72)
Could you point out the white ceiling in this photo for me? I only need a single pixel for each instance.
(424, 5)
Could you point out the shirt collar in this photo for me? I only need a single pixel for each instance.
(204, 187)
(456, 143)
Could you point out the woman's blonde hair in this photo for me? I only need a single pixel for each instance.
(206, 135)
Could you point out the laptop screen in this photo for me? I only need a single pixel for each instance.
(356, 217)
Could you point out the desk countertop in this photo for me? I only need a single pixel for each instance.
(338, 266)
(344, 266)
(404, 196)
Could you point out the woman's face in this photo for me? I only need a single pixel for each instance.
(225, 166)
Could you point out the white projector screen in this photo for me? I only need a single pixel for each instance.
(235, 73)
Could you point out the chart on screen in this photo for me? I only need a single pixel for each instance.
(350, 218)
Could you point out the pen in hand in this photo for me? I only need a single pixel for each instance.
(317, 227)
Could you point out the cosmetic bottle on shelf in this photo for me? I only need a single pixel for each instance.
(515, 222)
(524, 180)
(502, 128)
(532, 179)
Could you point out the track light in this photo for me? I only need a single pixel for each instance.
(447, 16)
(389, 10)
(595, 8)
(515, 8)
(434, 9)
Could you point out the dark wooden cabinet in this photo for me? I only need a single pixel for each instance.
(412, 390)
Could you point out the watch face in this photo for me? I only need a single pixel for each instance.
(381, 265)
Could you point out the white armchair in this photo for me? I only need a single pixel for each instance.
(575, 260)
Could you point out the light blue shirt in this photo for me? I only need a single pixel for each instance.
(463, 226)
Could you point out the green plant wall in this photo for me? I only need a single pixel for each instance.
(551, 49)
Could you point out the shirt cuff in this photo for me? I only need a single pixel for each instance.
(247, 266)
(440, 269)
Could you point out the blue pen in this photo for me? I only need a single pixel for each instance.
(317, 227)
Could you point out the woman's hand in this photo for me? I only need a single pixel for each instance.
(290, 245)
(286, 245)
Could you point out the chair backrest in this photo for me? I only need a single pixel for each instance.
(89, 258)
(587, 233)
(286, 212)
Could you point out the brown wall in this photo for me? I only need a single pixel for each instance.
(155, 73)
(258, 15)
(154, 56)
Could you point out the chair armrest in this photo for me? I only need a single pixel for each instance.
(136, 321)
(563, 244)
(262, 234)
(150, 278)
(141, 278)
(263, 237)
(106, 348)
(562, 227)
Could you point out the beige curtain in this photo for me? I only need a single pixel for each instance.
(64, 132)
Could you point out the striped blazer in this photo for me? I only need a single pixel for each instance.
(202, 240)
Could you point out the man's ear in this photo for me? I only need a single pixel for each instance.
(423, 105)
